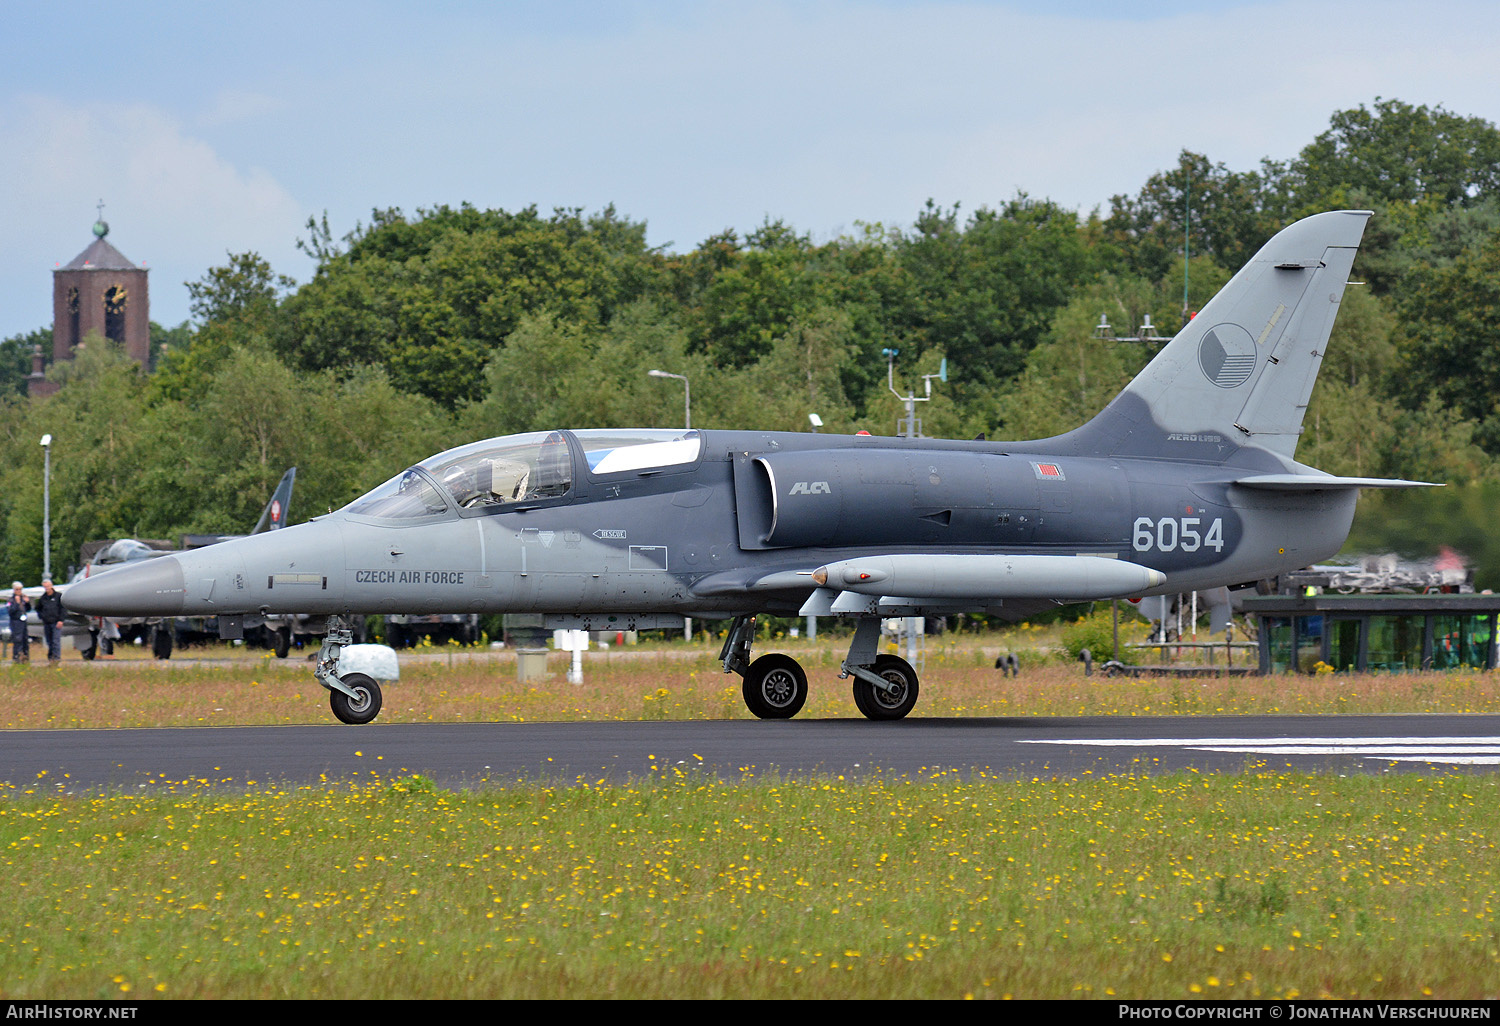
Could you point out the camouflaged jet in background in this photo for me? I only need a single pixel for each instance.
(1185, 481)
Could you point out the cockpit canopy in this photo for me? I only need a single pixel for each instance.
(521, 468)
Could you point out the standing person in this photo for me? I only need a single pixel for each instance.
(49, 609)
(18, 607)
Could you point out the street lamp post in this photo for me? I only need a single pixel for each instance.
(687, 396)
(46, 507)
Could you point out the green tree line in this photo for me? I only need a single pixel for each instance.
(424, 330)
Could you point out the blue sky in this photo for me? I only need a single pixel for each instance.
(209, 129)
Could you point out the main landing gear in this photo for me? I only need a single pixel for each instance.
(775, 688)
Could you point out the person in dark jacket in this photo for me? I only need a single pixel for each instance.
(49, 609)
(18, 607)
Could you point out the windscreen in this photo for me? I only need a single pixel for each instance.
(408, 494)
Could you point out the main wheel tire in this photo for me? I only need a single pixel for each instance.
(93, 649)
(361, 709)
(161, 642)
(281, 642)
(878, 704)
(775, 687)
(861, 698)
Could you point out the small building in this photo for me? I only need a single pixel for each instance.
(97, 291)
(1375, 632)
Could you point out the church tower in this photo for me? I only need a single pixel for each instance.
(99, 290)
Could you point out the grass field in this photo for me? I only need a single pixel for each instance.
(1240, 886)
(1258, 884)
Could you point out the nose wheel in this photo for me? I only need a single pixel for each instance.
(354, 697)
(363, 706)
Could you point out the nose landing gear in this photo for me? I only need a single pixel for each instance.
(354, 697)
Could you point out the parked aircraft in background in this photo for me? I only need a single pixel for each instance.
(406, 630)
(91, 633)
(1185, 481)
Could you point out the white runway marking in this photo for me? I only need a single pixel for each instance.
(1461, 751)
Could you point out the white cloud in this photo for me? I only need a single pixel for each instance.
(173, 203)
(235, 106)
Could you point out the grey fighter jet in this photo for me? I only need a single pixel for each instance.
(1185, 481)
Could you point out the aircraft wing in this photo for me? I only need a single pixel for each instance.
(1324, 482)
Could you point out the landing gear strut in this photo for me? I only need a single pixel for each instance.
(885, 686)
(355, 697)
(775, 686)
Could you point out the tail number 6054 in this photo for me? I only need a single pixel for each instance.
(1172, 533)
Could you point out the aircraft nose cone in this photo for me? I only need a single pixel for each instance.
(152, 588)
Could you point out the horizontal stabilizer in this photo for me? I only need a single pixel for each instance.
(1324, 483)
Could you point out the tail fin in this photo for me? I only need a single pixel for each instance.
(1240, 373)
(274, 515)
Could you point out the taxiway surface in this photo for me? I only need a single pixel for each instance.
(457, 755)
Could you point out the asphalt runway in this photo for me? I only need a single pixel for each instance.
(460, 755)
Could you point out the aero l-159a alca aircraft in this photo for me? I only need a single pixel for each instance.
(1185, 481)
